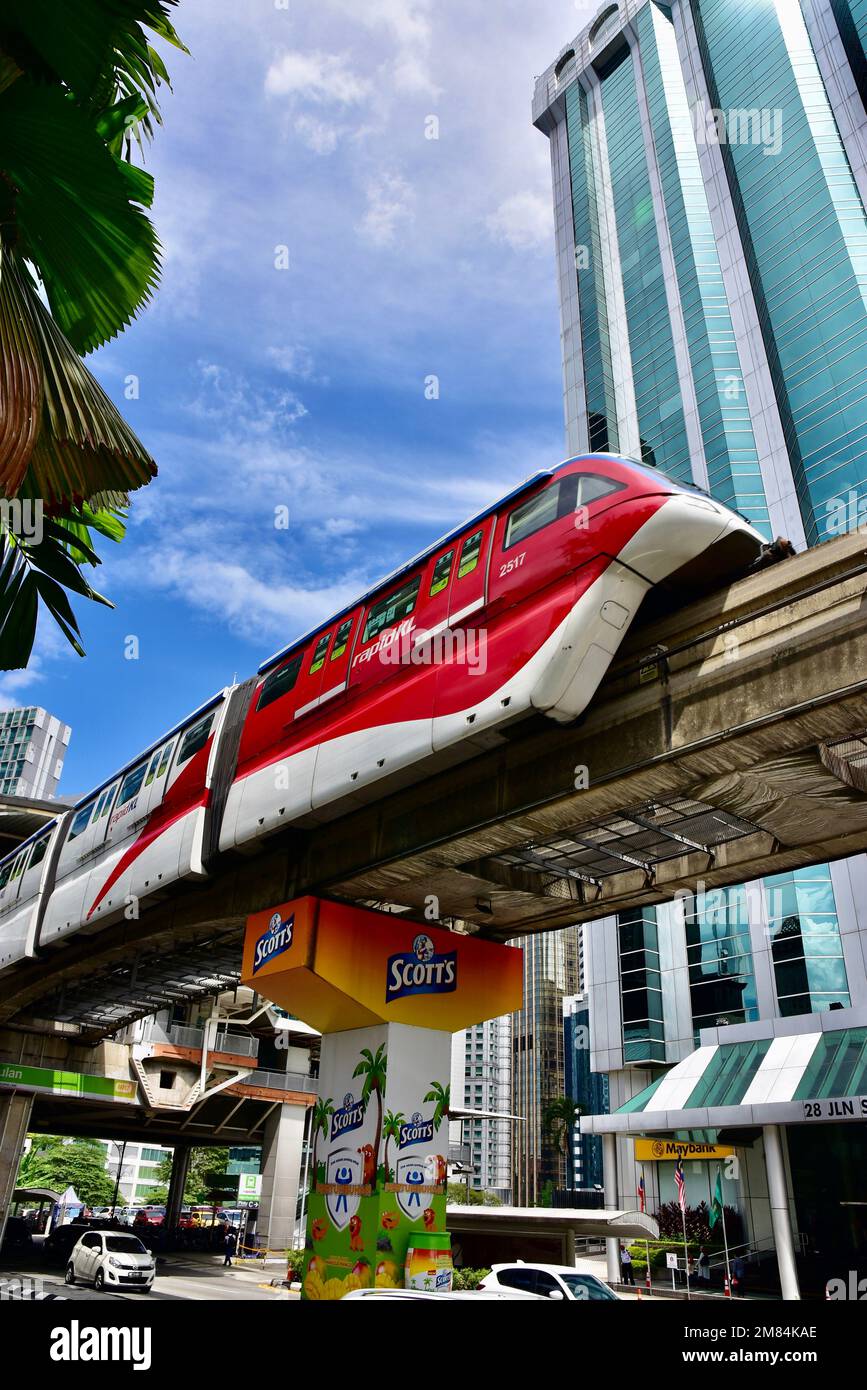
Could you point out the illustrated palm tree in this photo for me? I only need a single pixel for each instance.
(78, 85)
(559, 1117)
(391, 1130)
(323, 1108)
(372, 1067)
(442, 1096)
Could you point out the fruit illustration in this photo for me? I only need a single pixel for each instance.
(356, 1239)
(361, 1271)
(429, 1218)
(389, 1220)
(319, 1230)
(387, 1275)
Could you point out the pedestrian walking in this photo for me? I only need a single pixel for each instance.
(703, 1265)
(739, 1275)
(626, 1266)
(229, 1244)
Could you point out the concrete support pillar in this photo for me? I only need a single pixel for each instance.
(780, 1220)
(609, 1183)
(569, 1248)
(177, 1183)
(282, 1148)
(15, 1108)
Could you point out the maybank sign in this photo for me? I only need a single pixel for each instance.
(670, 1150)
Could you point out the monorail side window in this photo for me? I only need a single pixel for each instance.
(131, 784)
(341, 641)
(164, 760)
(195, 738)
(81, 820)
(392, 609)
(152, 770)
(38, 852)
(470, 552)
(18, 866)
(555, 501)
(4, 875)
(279, 682)
(442, 573)
(319, 653)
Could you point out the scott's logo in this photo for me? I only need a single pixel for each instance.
(274, 941)
(423, 972)
(416, 1131)
(349, 1116)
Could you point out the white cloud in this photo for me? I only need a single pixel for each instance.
(524, 221)
(294, 360)
(228, 399)
(389, 204)
(318, 77)
(320, 136)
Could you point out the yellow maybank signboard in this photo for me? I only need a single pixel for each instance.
(670, 1150)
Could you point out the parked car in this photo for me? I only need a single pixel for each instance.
(57, 1245)
(428, 1295)
(559, 1282)
(18, 1234)
(111, 1259)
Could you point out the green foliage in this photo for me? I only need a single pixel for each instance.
(698, 1224)
(57, 1164)
(458, 1195)
(468, 1278)
(206, 1173)
(559, 1118)
(295, 1265)
(78, 83)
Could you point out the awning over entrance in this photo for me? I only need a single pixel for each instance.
(581, 1222)
(782, 1080)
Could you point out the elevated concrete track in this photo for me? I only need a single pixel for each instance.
(728, 741)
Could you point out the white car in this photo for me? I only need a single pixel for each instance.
(111, 1260)
(560, 1282)
(490, 1295)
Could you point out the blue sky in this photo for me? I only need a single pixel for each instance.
(262, 389)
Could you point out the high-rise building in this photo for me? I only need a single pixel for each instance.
(585, 1086)
(709, 163)
(481, 1074)
(551, 974)
(33, 746)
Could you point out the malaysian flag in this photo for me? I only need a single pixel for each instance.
(681, 1184)
(641, 1191)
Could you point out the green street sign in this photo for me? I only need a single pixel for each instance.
(67, 1083)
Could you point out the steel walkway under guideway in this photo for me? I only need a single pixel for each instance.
(729, 740)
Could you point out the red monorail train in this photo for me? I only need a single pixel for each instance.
(518, 612)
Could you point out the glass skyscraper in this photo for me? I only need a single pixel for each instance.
(709, 163)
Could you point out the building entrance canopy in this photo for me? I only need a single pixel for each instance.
(794, 1079)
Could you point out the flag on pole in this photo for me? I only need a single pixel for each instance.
(641, 1192)
(716, 1206)
(681, 1184)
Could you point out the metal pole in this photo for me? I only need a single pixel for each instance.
(117, 1179)
(308, 1128)
(685, 1253)
(782, 1225)
(725, 1236)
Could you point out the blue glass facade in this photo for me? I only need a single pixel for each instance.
(809, 970)
(590, 1089)
(722, 984)
(804, 235)
(641, 987)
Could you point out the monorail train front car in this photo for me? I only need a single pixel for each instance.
(517, 612)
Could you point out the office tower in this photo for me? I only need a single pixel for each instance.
(33, 746)
(538, 1067)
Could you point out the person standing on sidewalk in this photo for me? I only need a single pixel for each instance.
(626, 1266)
(230, 1244)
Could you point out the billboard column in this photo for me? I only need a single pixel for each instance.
(386, 994)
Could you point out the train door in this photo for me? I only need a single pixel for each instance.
(461, 680)
(386, 716)
(272, 785)
(64, 911)
(16, 936)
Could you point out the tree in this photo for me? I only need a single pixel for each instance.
(372, 1067)
(458, 1195)
(322, 1111)
(442, 1095)
(391, 1130)
(205, 1173)
(559, 1118)
(78, 84)
(58, 1164)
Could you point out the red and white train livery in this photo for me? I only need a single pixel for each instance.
(518, 612)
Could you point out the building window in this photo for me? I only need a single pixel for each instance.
(809, 970)
(722, 982)
(640, 987)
